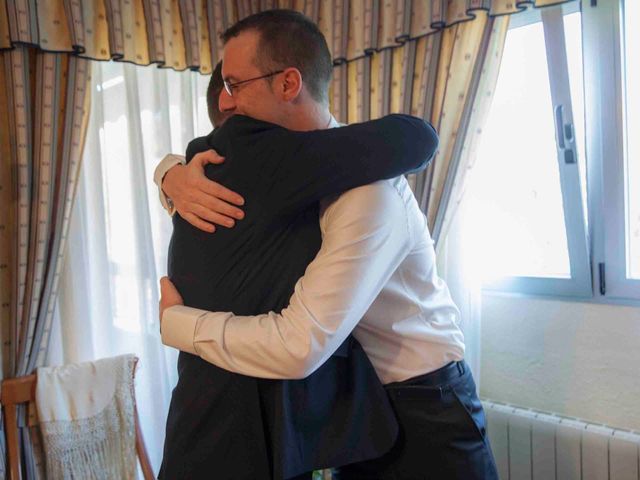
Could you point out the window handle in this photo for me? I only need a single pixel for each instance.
(564, 134)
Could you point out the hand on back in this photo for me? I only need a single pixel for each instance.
(200, 201)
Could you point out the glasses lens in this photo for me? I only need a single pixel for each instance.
(228, 88)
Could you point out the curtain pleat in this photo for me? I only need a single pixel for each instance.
(7, 220)
(184, 34)
(46, 97)
(459, 53)
(474, 117)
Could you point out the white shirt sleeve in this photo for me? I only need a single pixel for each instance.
(163, 167)
(365, 238)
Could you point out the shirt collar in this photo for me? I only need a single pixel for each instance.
(333, 123)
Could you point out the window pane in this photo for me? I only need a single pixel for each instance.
(516, 195)
(632, 140)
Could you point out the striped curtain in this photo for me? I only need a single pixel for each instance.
(183, 34)
(438, 78)
(45, 105)
(424, 57)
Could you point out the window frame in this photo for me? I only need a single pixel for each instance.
(604, 98)
(604, 92)
(580, 282)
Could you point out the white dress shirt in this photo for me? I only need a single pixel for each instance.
(375, 275)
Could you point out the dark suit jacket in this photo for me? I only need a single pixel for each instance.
(225, 425)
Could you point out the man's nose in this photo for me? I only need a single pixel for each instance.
(226, 103)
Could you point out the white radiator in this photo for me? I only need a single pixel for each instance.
(529, 445)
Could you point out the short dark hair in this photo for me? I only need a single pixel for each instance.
(213, 94)
(289, 39)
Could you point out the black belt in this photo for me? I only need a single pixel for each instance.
(438, 378)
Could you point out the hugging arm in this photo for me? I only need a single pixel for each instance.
(185, 189)
(325, 308)
(332, 161)
(364, 242)
(324, 162)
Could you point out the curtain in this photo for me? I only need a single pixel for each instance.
(183, 34)
(119, 234)
(458, 254)
(45, 108)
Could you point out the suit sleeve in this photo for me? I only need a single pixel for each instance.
(328, 162)
(170, 161)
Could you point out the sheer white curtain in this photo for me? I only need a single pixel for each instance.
(119, 234)
(458, 260)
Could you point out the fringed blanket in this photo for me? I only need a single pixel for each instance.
(86, 414)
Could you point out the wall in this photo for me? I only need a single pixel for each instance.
(575, 359)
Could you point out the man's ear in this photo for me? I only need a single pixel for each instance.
(291, 84)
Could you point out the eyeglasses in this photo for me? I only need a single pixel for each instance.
(230, 86)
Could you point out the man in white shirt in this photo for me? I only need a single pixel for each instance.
(375, 276)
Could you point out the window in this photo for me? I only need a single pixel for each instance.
(556, 188)
(529, 185)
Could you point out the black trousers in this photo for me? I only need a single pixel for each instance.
(442, 432)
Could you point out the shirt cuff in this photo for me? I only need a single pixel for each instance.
(179, 327)
(166, 164)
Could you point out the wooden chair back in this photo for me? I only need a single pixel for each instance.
(23, 390)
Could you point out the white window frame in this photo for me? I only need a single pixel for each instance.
(604, 93)
(580, 282)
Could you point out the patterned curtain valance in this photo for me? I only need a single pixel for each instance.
(183, 34)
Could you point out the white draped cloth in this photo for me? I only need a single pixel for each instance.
(86, 415)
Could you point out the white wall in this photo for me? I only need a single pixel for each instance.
(575, 359)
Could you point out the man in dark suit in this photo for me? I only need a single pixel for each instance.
(224, 425)
(375, 275)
